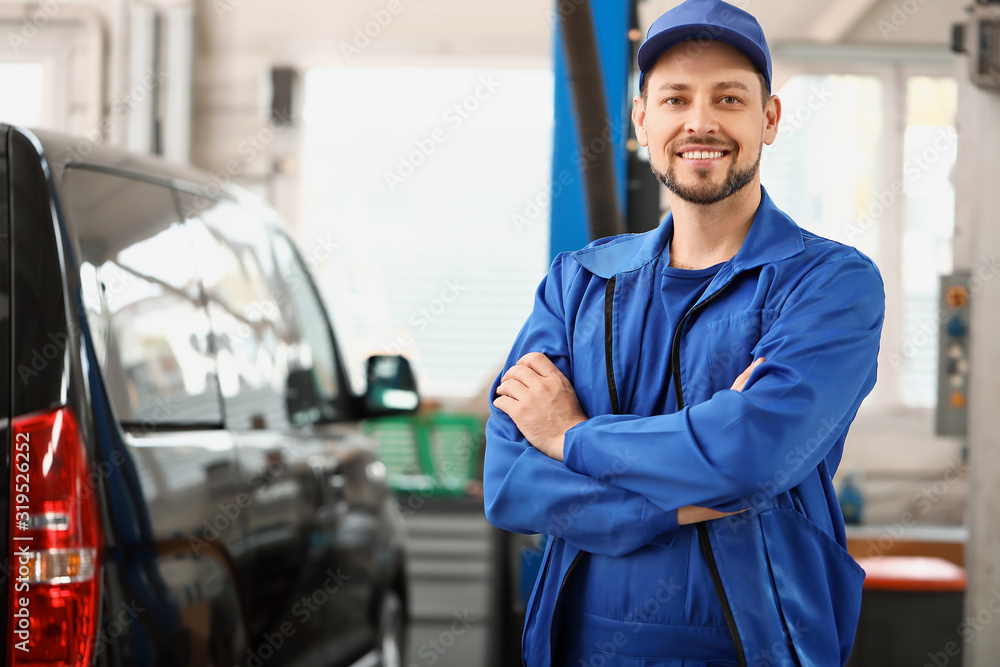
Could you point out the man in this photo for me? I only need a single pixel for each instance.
(675, 407)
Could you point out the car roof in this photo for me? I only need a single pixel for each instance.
(62, 150)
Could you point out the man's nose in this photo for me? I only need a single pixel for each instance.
(701, 119)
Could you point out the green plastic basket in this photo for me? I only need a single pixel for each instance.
(433, 454)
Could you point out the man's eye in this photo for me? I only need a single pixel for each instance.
(730, 100)
(673, 101)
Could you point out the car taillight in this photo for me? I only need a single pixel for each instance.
(55, 544)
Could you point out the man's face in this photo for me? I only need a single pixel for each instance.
(703, 121)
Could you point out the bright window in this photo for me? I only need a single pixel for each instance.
(930, 150)
(25, 80)
(831, 170)
(416, 185)
(825, 167)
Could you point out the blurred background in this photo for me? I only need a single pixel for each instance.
(427, 156)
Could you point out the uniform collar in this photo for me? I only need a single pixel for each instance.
(773, 236)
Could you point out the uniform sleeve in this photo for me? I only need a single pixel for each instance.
(527, 492)
(821, 354)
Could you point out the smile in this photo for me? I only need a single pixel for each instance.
(702, 155)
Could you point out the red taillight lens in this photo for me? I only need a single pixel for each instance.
(55, 544)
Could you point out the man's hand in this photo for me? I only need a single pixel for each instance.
(692, 514)
(741, 381)
(541, 402)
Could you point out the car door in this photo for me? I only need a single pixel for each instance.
(276, 383)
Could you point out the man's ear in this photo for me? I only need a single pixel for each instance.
(772, 116)
(639, 120)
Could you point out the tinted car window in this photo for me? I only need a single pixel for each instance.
(317, 361)
(256, 346)
(143, 300)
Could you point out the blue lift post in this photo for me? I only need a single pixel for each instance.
(568, 224)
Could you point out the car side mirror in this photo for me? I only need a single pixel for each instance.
(392, 388)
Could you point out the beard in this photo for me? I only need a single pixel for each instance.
(706, 192)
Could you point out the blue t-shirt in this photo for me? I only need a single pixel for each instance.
(684, 594)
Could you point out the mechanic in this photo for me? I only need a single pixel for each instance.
(673, 411)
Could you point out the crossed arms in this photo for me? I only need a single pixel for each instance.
(610, 484)
(543, 405)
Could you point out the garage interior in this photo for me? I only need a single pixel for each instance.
(424, 154)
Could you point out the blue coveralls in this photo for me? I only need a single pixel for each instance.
(789, 592)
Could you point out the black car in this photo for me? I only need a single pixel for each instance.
(188, 481)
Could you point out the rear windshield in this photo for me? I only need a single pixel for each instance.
(142, 297)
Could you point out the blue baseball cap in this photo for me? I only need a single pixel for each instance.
(701, 20)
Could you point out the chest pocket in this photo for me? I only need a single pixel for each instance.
(731, 344)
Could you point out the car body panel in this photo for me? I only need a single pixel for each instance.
(273, 535)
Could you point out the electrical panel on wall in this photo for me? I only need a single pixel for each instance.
(980, 39)
(953, 355)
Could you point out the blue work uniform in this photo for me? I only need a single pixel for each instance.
(787, 591)
(679, 617)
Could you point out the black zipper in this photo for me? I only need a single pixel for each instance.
(704, 540)
(609, 308)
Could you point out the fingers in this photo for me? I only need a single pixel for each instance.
(520, 374)
(741, 381)
(505, 403)
(539, 363)
(526, 373)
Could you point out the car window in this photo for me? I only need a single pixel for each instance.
(318, 361)
(257, 348)
(275, 354)
(142, 300)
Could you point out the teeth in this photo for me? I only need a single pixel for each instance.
(701, 155)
